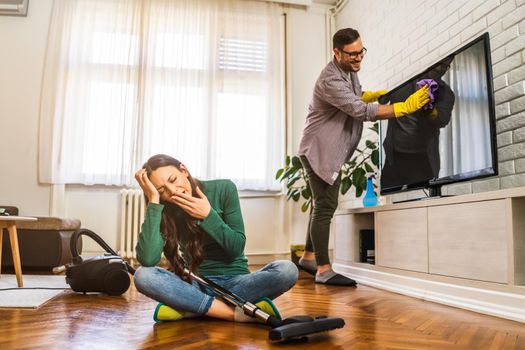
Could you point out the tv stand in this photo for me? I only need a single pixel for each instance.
(467, 251)
(421, 198)
(411, 200)
(433, 192)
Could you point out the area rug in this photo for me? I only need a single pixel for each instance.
(30, 296)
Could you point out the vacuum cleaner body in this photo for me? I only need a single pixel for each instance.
(103, 274)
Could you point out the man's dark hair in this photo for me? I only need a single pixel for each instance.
(344, 37)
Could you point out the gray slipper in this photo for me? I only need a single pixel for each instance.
(333, 278)
(309, 266)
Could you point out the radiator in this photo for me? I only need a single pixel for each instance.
(131, 217)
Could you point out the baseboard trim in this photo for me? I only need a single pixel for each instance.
(495, 303)
(265, 258)
(253, 258)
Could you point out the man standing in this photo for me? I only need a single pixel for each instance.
(332, 132)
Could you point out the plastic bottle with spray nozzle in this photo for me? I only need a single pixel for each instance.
(370, 198)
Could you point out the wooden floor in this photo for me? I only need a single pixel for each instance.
(374, 319)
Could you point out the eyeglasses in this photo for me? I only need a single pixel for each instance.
(353, 55)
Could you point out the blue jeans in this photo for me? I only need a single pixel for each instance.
(166, 287)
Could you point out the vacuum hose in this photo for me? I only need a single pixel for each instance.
(77, 259)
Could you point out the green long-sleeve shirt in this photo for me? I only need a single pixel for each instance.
(223, 239)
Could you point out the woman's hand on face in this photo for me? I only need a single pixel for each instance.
(198, 207)
(149, 190)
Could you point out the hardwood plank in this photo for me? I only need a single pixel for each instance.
(375, 319)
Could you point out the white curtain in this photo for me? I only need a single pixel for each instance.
(465, 142)
(200, 80)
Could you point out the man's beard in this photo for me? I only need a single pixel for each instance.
(347, 67)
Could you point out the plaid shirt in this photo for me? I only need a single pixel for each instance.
(335, 121)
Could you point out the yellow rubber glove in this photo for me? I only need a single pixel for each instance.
(413, 103)
(373, 96)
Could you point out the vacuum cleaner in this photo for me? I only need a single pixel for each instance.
(109, 274)
(105, 273)
(295, 327)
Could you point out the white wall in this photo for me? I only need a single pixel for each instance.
(271, 223)
(307, 56)
(403, 37)
(22, 49)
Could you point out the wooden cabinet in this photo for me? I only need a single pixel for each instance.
(466, 251)
(469, 240)
(402, 239)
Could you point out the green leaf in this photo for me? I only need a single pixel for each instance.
(363, 179)
(306, 193)
(368, 168)
(370, 144)
(293, 181)
(287, 162)
(306, 205)
(375, 128)
(363, 183)
(358, 192)
(358, 174)
(296, 162)
(359, 180)
(375, 157)
(279, 173)
(295, 174)
(346, 183)
(296, 195)
(289, 173)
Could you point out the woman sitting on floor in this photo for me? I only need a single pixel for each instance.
(202, 220)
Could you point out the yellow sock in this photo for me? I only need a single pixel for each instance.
(165, 313)
(266, 305)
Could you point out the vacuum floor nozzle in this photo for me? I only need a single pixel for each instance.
(303, 327)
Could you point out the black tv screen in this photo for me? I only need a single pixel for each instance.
(451, 139)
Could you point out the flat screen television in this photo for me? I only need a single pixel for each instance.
(450, 140)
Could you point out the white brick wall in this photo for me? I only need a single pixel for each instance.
(398, 51)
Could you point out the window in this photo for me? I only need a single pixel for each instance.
(199, 80)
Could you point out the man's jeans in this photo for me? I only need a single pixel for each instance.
(325, 201)
(166, 287)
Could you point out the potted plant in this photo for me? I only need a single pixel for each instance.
(353, 173)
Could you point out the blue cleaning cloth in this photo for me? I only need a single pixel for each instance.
(432, 88)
